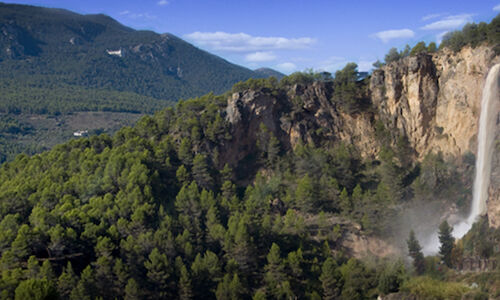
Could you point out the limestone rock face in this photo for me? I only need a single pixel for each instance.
(246, 112)
(493, 205)
(405, 94)
(361, 246)
(434, 100)
(304, 114)
(493, 202)
(461, 80)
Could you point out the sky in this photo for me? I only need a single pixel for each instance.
(292, 35)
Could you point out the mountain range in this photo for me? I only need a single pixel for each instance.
(43, 49)
(61, 72)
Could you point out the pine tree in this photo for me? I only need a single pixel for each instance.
(418, 48)
(33, 269)
(121, 275)
(392, 278)
(345, 202)
(132, 290)
(226, 173)
(86, 287)
(275, 274)
(39, 289)
(185, 290)
(236, 287)
(67, 281)
(230, 288)
(243, 247)
(182, 175)
(46, 271)
(294, 262)
(356, 197)
(330, 279)
(214, 229)
(447, 242)
(158, 273)
(104, 266)
(432, 47)
(304, 194)
(200, 172)
(415, 252)
(199, 275)
(259, 295)
(392, 55)
(20, 246)
(185, 151)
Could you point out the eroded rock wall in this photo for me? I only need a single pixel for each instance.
(434, 99)
(302, 114)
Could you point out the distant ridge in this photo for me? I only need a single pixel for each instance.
(268, 72)
(51, 48)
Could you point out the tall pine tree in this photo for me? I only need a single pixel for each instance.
(447, 242)
(415, 252)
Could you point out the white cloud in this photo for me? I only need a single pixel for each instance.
(450, 22)
(332, 64)
(431, 16)
(388, 35)
(439, 37)
(144, 16)
(125, 12)
(497, 8)
(365, 65)
(162, 2)
(286, 67)
(242, 42)
(260, 56)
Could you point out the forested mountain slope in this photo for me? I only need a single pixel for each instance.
(55, 64)
(53, 60)
(185, 205)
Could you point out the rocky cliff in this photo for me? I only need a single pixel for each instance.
(434, 99)
(304, 113)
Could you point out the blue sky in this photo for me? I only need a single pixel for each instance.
(292, 35)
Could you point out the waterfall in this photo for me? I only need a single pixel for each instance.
(485, 139)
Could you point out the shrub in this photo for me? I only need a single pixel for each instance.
(428, 288)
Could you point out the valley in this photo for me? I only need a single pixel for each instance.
(34, 133)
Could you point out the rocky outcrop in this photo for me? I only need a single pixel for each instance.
(18, 42)
(477, 264)
(405, 94)
(360, 246)
(301, 114)
(493, 202)
(246, 112)
(461, 78)
(434, 99)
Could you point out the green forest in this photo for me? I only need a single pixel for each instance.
(154, 212)
(57, 49)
